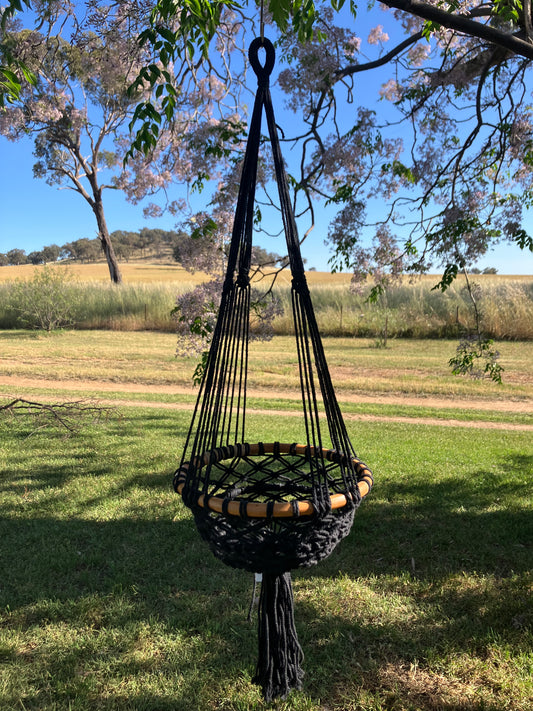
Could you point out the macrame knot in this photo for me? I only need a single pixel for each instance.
(243, 280)
(321, 500)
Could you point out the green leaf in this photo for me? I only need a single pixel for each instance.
(400, 170)
(523, 240)
(342, 194)
(12, 7)
(448, 277)
(375, 292)
(167, 34)
(428, 28)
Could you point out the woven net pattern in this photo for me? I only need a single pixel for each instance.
(268, 475)
(272, 545)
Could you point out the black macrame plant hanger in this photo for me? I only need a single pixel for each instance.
(268, 507)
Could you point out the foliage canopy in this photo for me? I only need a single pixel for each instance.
(433, 175)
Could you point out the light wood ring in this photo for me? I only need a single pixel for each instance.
(280, 509)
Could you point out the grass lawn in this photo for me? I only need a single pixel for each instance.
(407, 367)
(109, 599)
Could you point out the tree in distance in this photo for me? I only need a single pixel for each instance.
(83, 59)
(77, 102)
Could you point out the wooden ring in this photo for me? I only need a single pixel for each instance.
(280, 509)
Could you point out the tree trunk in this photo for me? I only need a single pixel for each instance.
(112, 263)
(105, 240)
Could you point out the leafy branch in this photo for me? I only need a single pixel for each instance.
(475, 349)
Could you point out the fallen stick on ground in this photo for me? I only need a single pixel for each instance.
(69, 415)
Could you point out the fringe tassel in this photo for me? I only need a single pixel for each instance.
(280, 655)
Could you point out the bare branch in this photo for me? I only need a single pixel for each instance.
(69, 415)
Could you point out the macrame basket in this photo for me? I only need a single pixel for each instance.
(268, 507)
(268, 523)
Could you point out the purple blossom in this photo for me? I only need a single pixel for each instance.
(377, 36)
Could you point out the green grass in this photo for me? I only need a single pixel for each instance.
(109, 599)
(407, 366)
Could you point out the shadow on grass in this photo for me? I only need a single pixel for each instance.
(138, 599)
(17, 334)
(453, 567)
(124, 601)
(65, 457)
(482, 524)
(137, 614)
(402, 640)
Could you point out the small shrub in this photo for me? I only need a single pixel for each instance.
(45, 302)
(477, 357)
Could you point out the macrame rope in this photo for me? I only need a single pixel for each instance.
(280, 655)
(222, 477)
(262, 22)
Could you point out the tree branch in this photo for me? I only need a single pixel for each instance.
(67, 414)
(355, 68)
(463, 24)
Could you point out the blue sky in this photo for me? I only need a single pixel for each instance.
(34, 214)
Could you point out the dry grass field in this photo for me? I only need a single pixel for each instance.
(147, 271)
(134, 272)
(410, 308)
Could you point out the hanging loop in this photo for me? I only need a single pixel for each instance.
(262, 72)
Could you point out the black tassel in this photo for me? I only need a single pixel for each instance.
(280, 655)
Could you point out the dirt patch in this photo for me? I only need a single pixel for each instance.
(93, 386)
(426, 690)
(438, 402)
